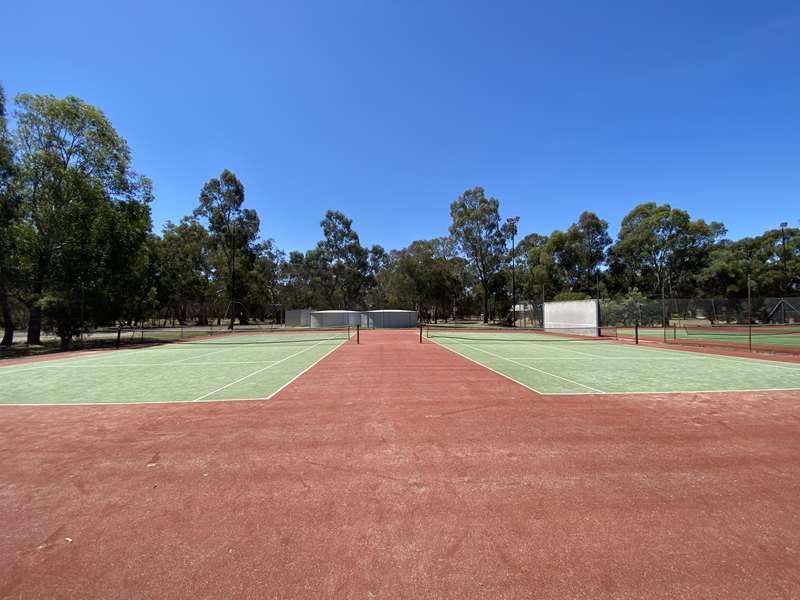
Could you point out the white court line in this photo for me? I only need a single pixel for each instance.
(533, 389)
(86, 356)
(754, 361)
(45, 363)
(112, 403)
(557, 344)
(676, 392)
(175, 362)
(603, 358)
(208, 401)
(559, 347)
(303, 371)
(258, 371)
(685, 355)
(620, 393)
(588, 387)
(689, 355)
(138, 365)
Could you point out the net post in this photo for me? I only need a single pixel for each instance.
(750, 337)
(119, 336)
(636, 332)
(420, 334)
(674, 332)
(358, 334)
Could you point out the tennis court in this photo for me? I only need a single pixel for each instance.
(549, 363)
(224, 367)
(779, 339)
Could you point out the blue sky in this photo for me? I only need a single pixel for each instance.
(388, 110)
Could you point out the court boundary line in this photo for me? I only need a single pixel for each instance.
(622, 393)
(773, 360)
(256, 372)
(708, 355)
(217, 351)
(201, 400)
(605, 358)
(759, 361)
(588, 387)
(308, 368)
(676, 392)
(141, 365)
(224, 400)
(533, 389)
(83, 358)
(88, 355)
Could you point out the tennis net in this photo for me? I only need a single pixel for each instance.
(489, 333)
(241, 335)
(743, 330)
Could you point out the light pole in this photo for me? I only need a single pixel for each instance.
(512, 225)
(783, 257)
(233, 306)
(749, 315)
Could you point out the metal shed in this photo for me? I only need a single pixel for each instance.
(299, 317)
(391, 318)
(335, 318)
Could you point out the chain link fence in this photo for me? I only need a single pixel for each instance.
(687, 312)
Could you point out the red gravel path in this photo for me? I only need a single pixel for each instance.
(400, 470)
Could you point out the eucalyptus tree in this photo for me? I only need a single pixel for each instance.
(578, 253)
(186, 275)
(233, 229)
(84, 214)
(478, 233)
(347, 259)
(771, 261)
(8, 220)
(661, 250)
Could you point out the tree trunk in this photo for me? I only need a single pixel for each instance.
(202, 319)
(35, 325)
(8, 322)
(35, 311)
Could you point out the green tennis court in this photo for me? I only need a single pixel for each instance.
(784, 336)
(551, 365)
(230, 367)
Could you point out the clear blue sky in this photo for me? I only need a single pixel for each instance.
(388, 110)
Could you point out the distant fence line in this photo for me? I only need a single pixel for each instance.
(699, 311)
(655, 312)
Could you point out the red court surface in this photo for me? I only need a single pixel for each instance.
(395, 469)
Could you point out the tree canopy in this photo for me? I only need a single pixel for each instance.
(78, 251)
(83, 215)
(477, 231)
